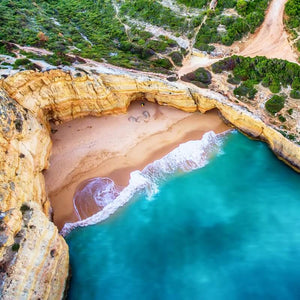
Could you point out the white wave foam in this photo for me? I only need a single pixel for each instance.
(186, 157)
(97, 192)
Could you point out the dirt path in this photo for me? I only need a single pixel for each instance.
(117, 15)
(271, 40)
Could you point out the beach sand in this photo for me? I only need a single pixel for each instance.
(114, 146)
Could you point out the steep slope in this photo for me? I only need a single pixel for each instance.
(34, 258)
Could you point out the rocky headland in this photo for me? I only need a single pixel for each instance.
(33, 256)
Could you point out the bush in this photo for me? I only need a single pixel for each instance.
(291, 137)
(200, 77)
(22, 62)
(205, 47)
(271, 73)
(24, 208)
(296, 84)
(295, 94)
(275, 87)
(163, 62)
(275, 104)
(203, 76)
(177, 58)
(233, 80)
(281, 118)
(245, 89)
(15, 247)
(158, 46)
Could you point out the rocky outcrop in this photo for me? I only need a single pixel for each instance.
(33, 256)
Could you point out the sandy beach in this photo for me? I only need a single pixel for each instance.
(114, 146)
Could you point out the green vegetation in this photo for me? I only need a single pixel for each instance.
(200, 77)
(246, 89)
(295, 94)
(15, 247)
(233, 80)
(92, 29)
(23, 62)
(281, 118)
(176, 58)
(225, 28)
(154, 13)
(24, 208)
(163, 63)
(292, 10)
(85, 28)
(271, 73)
(275, 104)
(193, 3)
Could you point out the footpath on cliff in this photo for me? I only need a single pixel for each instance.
(270, 40)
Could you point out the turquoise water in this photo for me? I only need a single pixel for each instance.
(230, 230)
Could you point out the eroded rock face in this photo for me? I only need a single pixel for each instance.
(33, 256)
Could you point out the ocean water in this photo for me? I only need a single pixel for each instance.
(228, 230)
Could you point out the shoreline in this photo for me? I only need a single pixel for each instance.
(73, 161)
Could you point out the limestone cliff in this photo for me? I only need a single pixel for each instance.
(33, 257)
(62, 96)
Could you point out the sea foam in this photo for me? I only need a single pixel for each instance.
(186, 157)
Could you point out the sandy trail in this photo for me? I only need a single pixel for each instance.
(271, 40)
(194, 62)
(114, 146)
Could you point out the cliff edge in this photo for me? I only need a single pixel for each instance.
(33, 256)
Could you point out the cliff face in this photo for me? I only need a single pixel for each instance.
(62, 96)
(33, 256)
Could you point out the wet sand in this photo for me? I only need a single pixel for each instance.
(114, 146)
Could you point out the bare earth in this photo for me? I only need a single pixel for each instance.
(114, 146)
(271, 40)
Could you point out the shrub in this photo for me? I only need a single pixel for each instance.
(24, 208)
(271, 73)
(22, 62)
(177, 58)
(163, 62)
(158, 46)
(205, 47)
(281, 118)
(291, 137)
(203, 75)
(295, 94)
(296, 84)
(233, 80)
(275, 104)
(245, 89)
(200, 77)
(15, 247)
(275, 87)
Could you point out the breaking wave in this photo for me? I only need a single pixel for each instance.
(186, 157)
